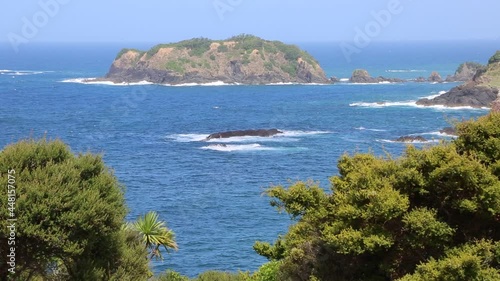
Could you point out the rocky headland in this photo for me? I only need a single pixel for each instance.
(480, 91)
(243, 59)
(362, 76)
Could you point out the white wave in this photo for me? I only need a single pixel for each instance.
(237, 147)
(209, 84)
(344, 79)
(435, 96)
(299, 133)
(406, 70)
(373, 130)
(93, 81)
(377, 83)
(383, 104)
(294, 83)
(21, 72)
(415, 141)
(286, 136)
(435, 133)
(188, 137)
(412, 104)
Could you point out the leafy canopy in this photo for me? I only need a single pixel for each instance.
(70, 210)
(432, 214)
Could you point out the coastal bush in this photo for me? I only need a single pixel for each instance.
(170, 275)
(123, 51)
(432, 214)
(222, 48)
(495, 58)
(222, 276)
(69, 213)
(176, 66)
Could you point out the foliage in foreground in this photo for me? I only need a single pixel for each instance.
(267, 272)
(154, 234)
(70, 211)
(433, 214)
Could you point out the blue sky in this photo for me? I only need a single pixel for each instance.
(287, 20)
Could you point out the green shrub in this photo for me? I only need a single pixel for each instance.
(267, 272)
(495, 58)
(175, 66)
(431, 214)
(222, 276)
(222, 48)
(68, 208)
(170, 275)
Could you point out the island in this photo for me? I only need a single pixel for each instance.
(242, 59)
(479, 91)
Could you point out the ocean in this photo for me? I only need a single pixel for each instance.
(212, 195)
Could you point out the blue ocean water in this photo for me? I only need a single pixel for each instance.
(211, 195)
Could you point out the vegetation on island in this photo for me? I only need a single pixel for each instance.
(431, 214)
(203, 55)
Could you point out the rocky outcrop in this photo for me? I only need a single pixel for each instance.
(464, 95)
(410, 139)
(243, 59)
(244, 133)
(448, 131)
(362, 76)
(495, 106)
(480, 91)
(435, 77)
(420, 79)
(465, 72)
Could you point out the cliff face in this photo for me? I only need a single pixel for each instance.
(242, 59)
(480, 91)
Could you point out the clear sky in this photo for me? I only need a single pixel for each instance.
(286, 20)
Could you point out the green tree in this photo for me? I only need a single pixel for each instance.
(410, 217)
(154, 234)
(70, 210)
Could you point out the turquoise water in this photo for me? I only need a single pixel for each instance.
(211, 196)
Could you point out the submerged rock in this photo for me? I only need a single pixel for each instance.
(448, 131)
(245, 133)
(362, 76)
(411, 139)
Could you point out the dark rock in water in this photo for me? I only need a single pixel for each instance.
(334, 79)
(420, 79)
(362, 76)
(464, 95)
(448, 131)
(245, 133)
(410, 139)
(435, 77)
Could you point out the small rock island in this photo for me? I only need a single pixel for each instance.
(481, 90)
(243, 59)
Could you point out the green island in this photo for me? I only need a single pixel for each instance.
(243, 59)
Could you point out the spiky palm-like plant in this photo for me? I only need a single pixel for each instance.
(154, 234)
